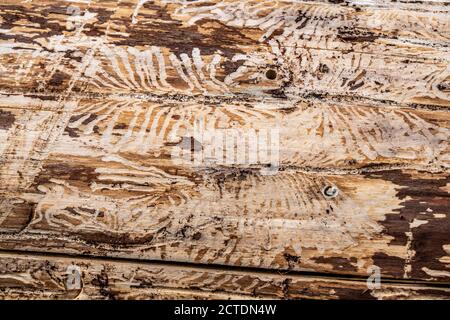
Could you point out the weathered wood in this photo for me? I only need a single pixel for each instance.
(397, 220)
(100, 102)
(86, 172)
(226, 48)
(24, 276)
(332, 135)
(120, 188)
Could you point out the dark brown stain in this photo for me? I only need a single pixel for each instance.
(99, 27)
(20, 16)
(336, 1)
(277, 93)
(287, 110)
(389, 265)
(42, 97)
(419, 195)
(338, 263)
(229, 66)
(156, 27)
(197, 236)
(357, 85)
(89, 119)
(12, 15)
(65, 171)
(19, 217)
(115, 240)
(6, 119)
(120, 126)
(72, 132)
(58, 79)
(348, 34)
(354, 294)
(77, 117)
(86, 121)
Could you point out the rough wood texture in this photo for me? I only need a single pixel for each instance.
(97, 97)
(24, 276)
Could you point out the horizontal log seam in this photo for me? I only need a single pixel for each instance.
(214, 267)
(370, 168)
(218, 267)
(222, 99)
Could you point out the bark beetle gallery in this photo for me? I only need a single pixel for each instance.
(219, 149)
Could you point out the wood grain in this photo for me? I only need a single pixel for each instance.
(396, 220)
(100, 102)
(225, 48)
(24, 276)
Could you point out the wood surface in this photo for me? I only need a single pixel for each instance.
(24, 276)
(97, 98)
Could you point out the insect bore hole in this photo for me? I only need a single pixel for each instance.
(271, 74)
(330, 191)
